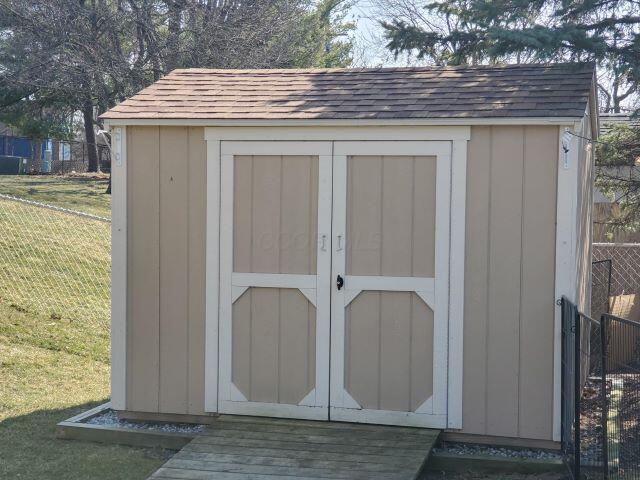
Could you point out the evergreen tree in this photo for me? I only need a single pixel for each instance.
(489, 31)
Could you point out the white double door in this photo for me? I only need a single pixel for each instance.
(334, 276)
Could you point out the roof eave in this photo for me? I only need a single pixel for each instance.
(204, 122)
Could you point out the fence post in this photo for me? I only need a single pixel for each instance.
(603, 392)
(577, 374)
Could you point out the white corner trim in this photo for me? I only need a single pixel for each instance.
(119, 269)
(456, 279)
(566, 251)
(212, 276)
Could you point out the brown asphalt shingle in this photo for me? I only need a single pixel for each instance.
(555, 90)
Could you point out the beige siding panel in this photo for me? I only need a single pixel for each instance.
(242, 208)
(476, 291)
(396, 244)
(421, 349)
(241, 338)
(509, 281)
(197, 267)
(265, 341)
(504, 280)
(275, 214)
(391, 216)
(167, 198)
(297, 361)
(538, 259)
(299, 218)
(143, 333)
(266, 211)
(395, 351)
(389, 351)
(174, 297)
(362, 352)
(424, 217)
(364, 197)
(273, 354)
(585, 209)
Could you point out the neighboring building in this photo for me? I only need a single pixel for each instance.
(371, 245)
(37, 153)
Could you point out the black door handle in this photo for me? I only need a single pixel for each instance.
(339, 282)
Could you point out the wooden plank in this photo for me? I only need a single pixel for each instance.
(174, 256)
(241, 419)
(266, 449)
(284, 429)
(315, 454)
(476, 286)
(505, 255)
(143, 269)
(200, 475)
(317, 439)
(402, 450)
(197, 218)
(331, 471)
(284, 462)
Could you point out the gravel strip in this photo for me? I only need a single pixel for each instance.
(110, 419)
(464, 449)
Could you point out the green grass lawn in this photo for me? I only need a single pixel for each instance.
(54, 336)
(83, 193)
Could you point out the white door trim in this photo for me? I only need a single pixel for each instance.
(457, 134)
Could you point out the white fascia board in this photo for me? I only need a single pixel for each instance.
(341, 122)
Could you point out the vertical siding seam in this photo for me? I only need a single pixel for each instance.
(279, 241)
(159, 267)
(379, 400)
(488, 290)
(411, 294)
(381, 217)
(251, 268)
(188, 201)
(251, 189)
(128, 296)
(523, 181)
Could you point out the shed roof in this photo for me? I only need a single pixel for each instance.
(511, 91)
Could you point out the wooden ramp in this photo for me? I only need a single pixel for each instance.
(250, 448)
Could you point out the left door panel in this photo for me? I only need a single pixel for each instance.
(274, 291)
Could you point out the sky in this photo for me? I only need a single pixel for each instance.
(370, 51)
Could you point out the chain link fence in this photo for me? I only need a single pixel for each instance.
(55, 261)
(625, 261)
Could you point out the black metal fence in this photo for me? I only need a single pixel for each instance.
(600, 394)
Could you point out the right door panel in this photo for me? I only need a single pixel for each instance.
(389, 320)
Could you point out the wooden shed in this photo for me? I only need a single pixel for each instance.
(373, 245)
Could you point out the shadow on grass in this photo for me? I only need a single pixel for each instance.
(29, 450)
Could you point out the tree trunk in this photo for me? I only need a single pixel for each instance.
(90, 136)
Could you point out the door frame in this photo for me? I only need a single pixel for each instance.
(458, 136)
(433, 291)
